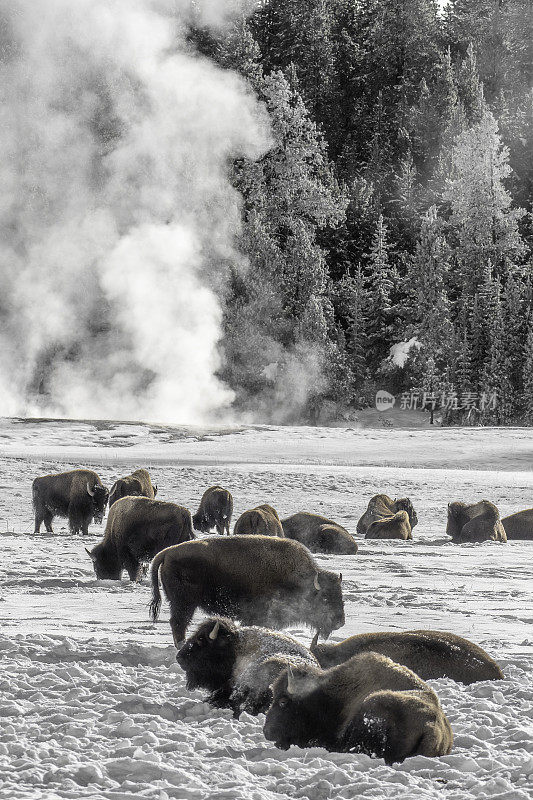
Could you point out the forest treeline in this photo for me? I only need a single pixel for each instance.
(394, 206)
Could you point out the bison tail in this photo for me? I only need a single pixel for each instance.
(155, 604)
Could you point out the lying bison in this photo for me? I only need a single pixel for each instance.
(478, 522)
(368, 705)
(238, 664)
(138, 484)
(519, 526)
(260, 521)
(383, 508)
(77, 495)
(261, 580)
(137, 529)
(431, 654)
(214, 511)
(319, 534)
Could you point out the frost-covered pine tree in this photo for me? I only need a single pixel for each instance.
(379, 290)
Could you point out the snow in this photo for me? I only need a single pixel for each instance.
(399, 352)
(92, 702)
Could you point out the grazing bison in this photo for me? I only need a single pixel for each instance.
(519, 526)
(368, 704)
(383, 507)
(138, 484)
(214, 511)
(431, 654)
(238, 664)
(260, 521)
(319, 534)
(478, 522)
(260, 580)
(137, 529)
(77, 495)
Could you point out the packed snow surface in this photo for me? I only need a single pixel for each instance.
(92, 702)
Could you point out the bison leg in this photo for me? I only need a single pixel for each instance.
(131, 564)
(181, 613)
(46, 516)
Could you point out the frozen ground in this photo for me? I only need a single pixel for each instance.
(92, 704)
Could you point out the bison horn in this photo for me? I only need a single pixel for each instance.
(317, 583)
(291, 686)
(89, 489)
(340, 577)
(90, 554)
(314, 642)
(155, 489)
(214, 633)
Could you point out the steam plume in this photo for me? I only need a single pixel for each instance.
(117, 219)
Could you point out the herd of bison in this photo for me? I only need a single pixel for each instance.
(365, 694)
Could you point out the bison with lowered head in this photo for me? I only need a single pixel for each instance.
(260, 521)
(431, 654)
(137, 529)
(77, 495)
(478, 522)
(138, 484)
(519, 526)
(214, 511)
(238, 664)
(368, 705)
(388, 519)
(319, 534)
(260, 580)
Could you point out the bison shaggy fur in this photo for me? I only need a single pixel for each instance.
(369, 704)
(238, 664)
(138, 484)
(519, 526)
(77, 495)
(260, 580)
(319, 534)
(478, 522)
(431, 654)
(382, 508)
(215, 511)
(260, 521)
(137, 529)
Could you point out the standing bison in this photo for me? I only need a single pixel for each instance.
(214, 511)
(479, 522)
(238, 664)
(138, 484)
(368, 705)
(319, 534)
(260, 521)
(262, 580)
(431, 654)
(383, 520)
(519, 526)
(77, 495)
(137, 529)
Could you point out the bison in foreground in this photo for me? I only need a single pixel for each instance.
(238, 664)
(214, 511)
(138, 484)
(519, 526)
(479, 522)
(77, 495)
(382, 507)
(137, 529)
(262, 580)
(431, 654)
(260, 521)
(368, 705)
(319, 534)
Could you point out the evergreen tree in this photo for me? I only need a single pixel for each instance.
(380, 286)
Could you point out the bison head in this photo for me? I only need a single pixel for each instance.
(105, 563)
(201, 523)
(301, 713)
(99, 495)
(404, 504)
(326, 603)
(208, 656)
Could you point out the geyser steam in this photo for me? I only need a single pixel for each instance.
(117, 218)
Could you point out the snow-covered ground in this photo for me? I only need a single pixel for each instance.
(92, 703)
